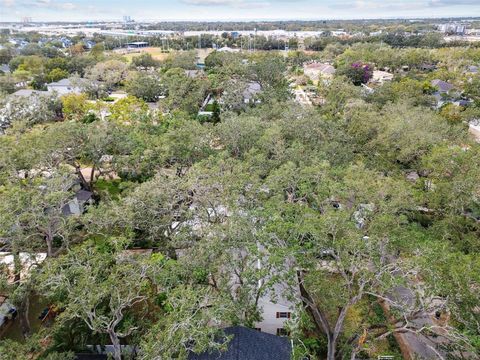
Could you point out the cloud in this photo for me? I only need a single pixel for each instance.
(373, 5)
(68, 6)
(442, 3)
(8, 3)
(228, 3)
(50, 4)
(398, 5)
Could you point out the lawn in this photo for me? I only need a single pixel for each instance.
(156, 53)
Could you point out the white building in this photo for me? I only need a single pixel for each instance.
(452, 28)
(275, 310)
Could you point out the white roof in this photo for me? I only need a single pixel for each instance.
(228, 49)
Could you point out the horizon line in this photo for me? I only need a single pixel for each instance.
(459, 17)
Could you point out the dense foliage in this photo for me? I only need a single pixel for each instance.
(365, 209)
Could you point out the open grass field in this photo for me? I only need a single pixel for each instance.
(156, 52)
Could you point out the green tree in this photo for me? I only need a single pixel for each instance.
(121, 283)
(145, 86)
(56, 75)
(145, 61)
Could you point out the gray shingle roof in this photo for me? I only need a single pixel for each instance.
(29, 92)
(249, 344)
(442, 86)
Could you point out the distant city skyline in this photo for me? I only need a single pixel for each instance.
(224, 10)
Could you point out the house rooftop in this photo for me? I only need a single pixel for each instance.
(252, 89)
(473, 69)
(5, 68)
(250, 344)
(29, 92)
(442, 86)
(323, 68)
(227, 49)
(63, 82)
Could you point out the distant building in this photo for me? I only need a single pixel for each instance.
(452, 29)
(228, 49)
(137, 45)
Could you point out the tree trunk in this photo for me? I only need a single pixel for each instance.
(117, 349)
(84, 182)
(332, 348)
(49, 242)
(23, 316)
(23, 307)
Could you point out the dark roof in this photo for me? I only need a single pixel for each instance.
(84, 195)
(90, 357)
(249, 344)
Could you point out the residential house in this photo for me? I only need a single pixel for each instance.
(276, 310)
(28, 93)
(316, 71)
(4, 68)
(66, 43)
(442, 86)
(245, 344)
(443, 92)
(274, 306)
(78, 204)
(249, 344)
(89, 44)
(251, 92)
(473, 69)
(63, 87)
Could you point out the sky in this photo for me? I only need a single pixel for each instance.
(222, 10)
